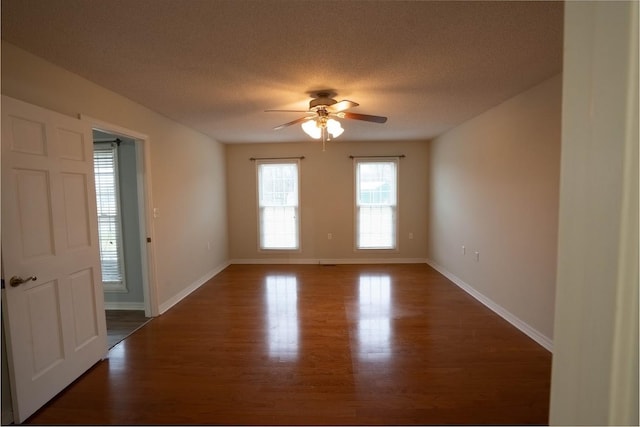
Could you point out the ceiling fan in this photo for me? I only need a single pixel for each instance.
(322, 114)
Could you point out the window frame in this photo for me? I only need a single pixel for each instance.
(260, 234)
(395, 208)
(112, 286)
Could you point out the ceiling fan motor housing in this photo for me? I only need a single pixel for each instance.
(323, 100)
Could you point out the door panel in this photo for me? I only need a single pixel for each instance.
(45, 327)
(84, 315)
(34, 208)
(55, 323)
(29, 136)
(71, 145)
(76, 210)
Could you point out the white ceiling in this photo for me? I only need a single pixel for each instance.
(216, 65)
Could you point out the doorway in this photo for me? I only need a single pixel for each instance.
(125, 239)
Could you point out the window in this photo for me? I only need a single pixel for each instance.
(376, 203)
(105, 161)
(278, 205)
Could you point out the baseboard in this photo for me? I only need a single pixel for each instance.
(531, 332)
(324, 261)
(192, 287)
(118, 305)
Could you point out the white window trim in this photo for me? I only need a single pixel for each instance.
(115, 287)
(396, 240)
(258, 214)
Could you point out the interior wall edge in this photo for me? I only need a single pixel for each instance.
(493, 206)
(525, 328)
(175, 299)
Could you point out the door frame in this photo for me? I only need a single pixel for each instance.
(145, 208)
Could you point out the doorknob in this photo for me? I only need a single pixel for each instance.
(17, 280)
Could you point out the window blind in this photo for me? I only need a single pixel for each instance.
(109, 221)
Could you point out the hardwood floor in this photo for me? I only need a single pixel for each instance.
(308, 344)
(122, 323)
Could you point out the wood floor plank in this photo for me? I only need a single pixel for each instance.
(122, 323)
(306, 344)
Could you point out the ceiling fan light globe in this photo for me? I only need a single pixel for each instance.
(336, 133)
(310, 127)
(334, 128)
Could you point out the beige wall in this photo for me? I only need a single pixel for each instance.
(327, 206)
(595, 361)
(188, 168)
(494, 189)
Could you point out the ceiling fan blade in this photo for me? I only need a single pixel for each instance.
(341, 106)
(365, 117)
(296, 121)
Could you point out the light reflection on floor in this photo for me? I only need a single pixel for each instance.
(282, 316)
(374, 317)
(117, 355)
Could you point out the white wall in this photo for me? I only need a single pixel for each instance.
(494, 189)
(327, 200)
(595, 362)
(187, 167)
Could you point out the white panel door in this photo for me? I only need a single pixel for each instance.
(55, 321)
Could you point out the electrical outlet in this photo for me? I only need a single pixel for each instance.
(410, 236)
(329, 236)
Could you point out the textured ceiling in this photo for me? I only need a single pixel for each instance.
(216, 65)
